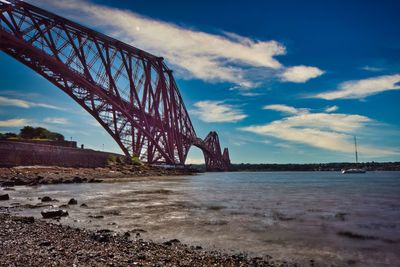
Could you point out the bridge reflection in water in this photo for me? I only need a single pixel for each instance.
(130, 92)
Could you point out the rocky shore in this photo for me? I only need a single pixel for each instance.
(25, 241)
(35, 175)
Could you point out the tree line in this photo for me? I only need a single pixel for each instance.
(387, 166)
(29, 132)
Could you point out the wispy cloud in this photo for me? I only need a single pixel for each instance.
(372, 69)
(15, 93)
(286, 109)
(14, 123)
(300, 74)
(283, 145)
(250, 94)
(5, 101)
(217, 111)
(52, 120)
(359, 89)
(223, 57)
(239, 140)
(331, 109)
(329, 131)
(210, 57)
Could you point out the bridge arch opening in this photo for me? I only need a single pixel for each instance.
(195, 156)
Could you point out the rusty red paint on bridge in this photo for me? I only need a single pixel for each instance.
(130, 92)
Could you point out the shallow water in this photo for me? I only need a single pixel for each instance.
(351, 219)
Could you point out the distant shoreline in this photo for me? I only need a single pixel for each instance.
(369, 166)
(338, 166)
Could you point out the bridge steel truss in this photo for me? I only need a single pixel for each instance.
(130, 92)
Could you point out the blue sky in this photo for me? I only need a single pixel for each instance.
(280, 81)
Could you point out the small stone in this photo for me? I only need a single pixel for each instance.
(54, 213)
(4, 197)
(19, 182)
(172, 241)
(72, 201)
(46, 199)
(100, 238)
(8, 189)
(104, 231)
(96, 216)
(139, 230)
(45, 244)
(23, 219)
(83, 205)
(8, 184)
(77, 180)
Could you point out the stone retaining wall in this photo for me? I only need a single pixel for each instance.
(26, 154)
(72, 144)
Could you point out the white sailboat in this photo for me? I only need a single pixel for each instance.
(354, 170)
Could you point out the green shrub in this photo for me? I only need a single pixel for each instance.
(135, 160)
(111, 159)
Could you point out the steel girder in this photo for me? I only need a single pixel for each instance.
(130, 92)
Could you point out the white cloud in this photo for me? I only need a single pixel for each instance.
(372, 69)
(210, 57)
(249, 94)
(194, 160)
(5, 101)
(62, 121)
(217, 111)
(282, 145)
(286, 109)
(300, 74)
(362, 88)
(331, 108)
(14, 123)
(327, 131)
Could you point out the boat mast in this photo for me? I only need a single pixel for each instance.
(355, 146)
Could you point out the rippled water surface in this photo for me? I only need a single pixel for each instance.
(351, 219)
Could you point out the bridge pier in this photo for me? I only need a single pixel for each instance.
(214, 159)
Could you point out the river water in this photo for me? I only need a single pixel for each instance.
(343, 220)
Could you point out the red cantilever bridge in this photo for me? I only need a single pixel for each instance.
(130, 92)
